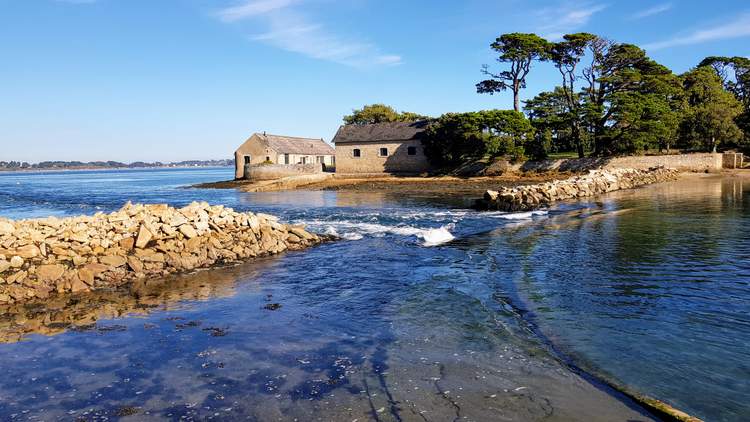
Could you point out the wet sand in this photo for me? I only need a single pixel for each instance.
(405, 185)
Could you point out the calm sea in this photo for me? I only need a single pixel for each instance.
(647, 289)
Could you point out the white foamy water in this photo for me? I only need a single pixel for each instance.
(517, 215)
(411, 224)
(434, 237)
(351, 230)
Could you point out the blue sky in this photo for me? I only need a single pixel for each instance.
(190, 79)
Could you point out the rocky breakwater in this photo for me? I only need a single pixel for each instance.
(40, 257)
(527, 198)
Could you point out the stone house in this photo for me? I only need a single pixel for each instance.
(275, 149)
(392, 147)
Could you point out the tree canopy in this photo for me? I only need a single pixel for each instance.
(735, 76)
(567, 55)
(519, 50)
(551, 116)
(380, 113)
(626, 103)
(456, 137)
(710, 113)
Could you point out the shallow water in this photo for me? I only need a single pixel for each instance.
(646, 288)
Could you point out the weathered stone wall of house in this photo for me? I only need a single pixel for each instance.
(256, 149)
(397, 161)
(47, 256)
(308, 159)
(278, 171)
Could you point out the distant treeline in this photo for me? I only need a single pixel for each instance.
(72, 165)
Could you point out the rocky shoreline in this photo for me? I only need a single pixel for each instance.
(41, 257)
(531, 197)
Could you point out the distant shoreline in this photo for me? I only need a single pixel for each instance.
(53, 169)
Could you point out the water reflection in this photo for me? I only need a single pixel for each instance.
(654, 299)
(646, 286)
(81, 312)
(352, 199)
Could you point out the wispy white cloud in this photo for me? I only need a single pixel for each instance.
(566, 18)
(736, 28)
(253, 8)
(651, 11)
(288, 28)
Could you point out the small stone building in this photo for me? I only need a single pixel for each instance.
(274, 149)
(393, 147)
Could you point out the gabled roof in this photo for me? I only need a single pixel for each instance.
(389, 131)
(293, 145)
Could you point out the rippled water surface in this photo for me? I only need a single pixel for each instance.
(647, 289)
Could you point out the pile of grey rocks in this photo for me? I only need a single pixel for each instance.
(40, 257)
(531, 197)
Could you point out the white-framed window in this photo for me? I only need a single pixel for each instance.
(356, 153)
(383, 152)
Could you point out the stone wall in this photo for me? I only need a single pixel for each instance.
(710, 162)
(256, 150)
(683, 162)
(397, 161)
(40, 257)
(732, 160)
(530, 197)
(278, 171)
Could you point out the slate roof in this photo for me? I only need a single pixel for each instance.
(293, 145)
(390, 131)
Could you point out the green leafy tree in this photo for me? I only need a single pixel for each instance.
(380, 113)
(709, 121)
(549, 114)
(519, 50)
(407, 116)
(644, 113)
(735, 76)
(631, 102)
(612, 67)
(506, 132)
(734, 73)
(455, 138)
(567, 55)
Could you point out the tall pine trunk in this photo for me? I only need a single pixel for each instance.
(576, 132)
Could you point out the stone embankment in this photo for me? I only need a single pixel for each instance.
(40, 257)
(530, 197)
